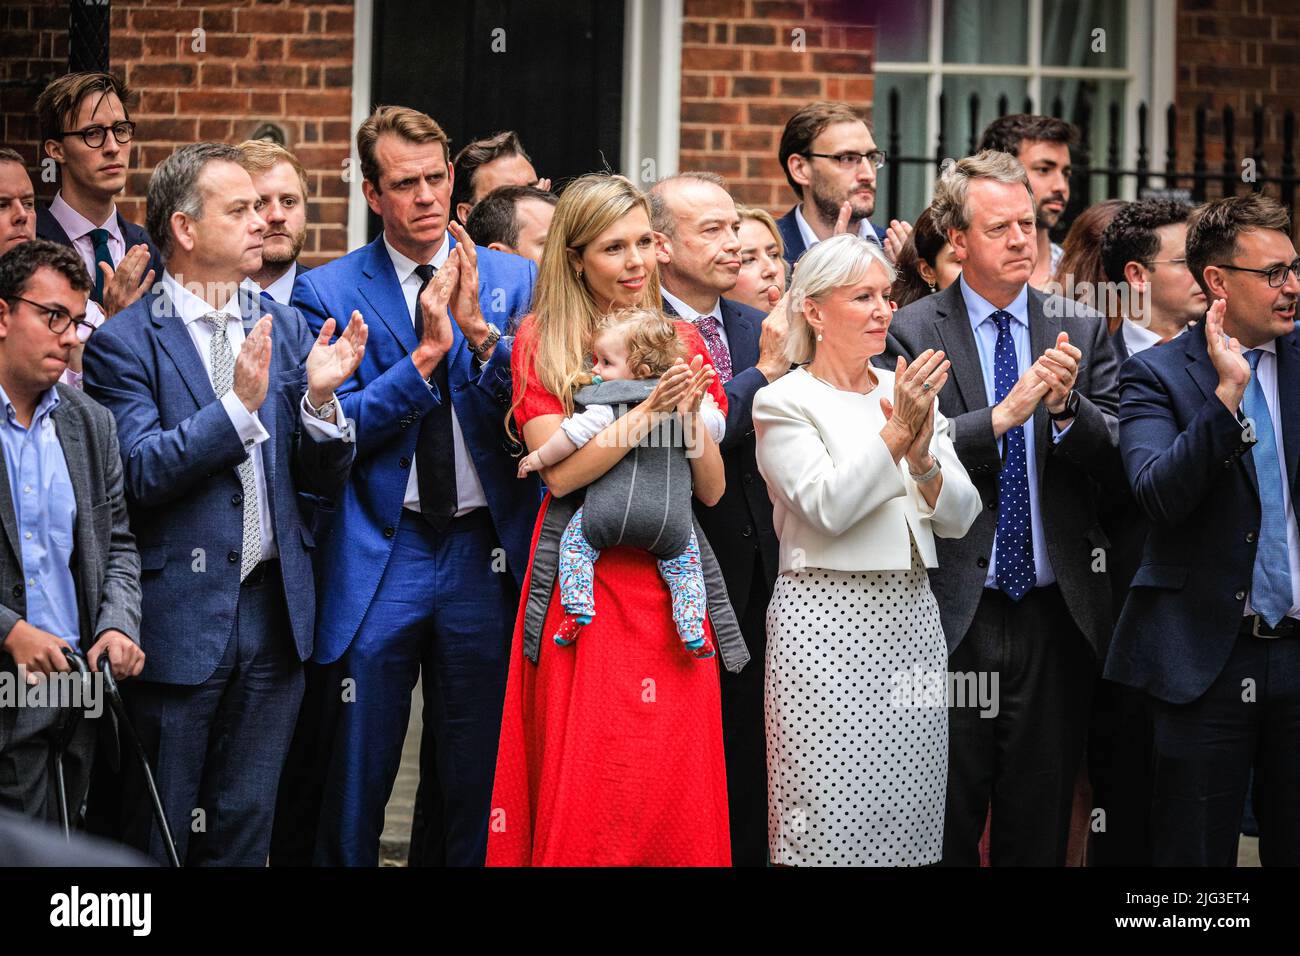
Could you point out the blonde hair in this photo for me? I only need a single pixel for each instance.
(950, 207)
(262, 155)
(649, 336)
(564, 313)
(765, 217)
(839, 261)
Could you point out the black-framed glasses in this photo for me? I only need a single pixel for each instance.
(1276, 276)
(94, 136)
(56, 318)
(850, 160)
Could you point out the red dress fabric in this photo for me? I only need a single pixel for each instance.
(611, 749)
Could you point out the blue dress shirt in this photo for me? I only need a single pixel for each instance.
(980, 311)
(46, 513)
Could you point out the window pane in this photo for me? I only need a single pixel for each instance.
(903, 32)
(986, 31)
(914, 178)
(958, 91)
(1086, 103)
(1068, 33)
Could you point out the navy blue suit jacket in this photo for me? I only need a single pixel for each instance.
(180, 455)
(386, 397)
(739, 526)
(1187, 460)
(47, 227)
(792, 238)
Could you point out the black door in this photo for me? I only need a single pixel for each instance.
(552, 70)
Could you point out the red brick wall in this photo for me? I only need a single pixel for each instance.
(1238, 53)
(741, 81)
(288, 62)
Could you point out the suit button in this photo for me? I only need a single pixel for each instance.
(404, 422)
(236, 499)
(389, 532)
(749, 478)
(982, 562)
(233, 557)
(404, 463)
(993, 505)
(18, 590)
(749, 530)
(1240, 595)
(1250, 537)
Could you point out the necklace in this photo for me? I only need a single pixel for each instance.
(874, 382)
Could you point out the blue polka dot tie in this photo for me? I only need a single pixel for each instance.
(1015, 544)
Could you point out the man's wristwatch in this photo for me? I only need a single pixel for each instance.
(1069, 411)
(494, 334)
(325, 412)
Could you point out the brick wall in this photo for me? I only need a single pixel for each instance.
(253, 61)
(1238, 53)
(742, 78)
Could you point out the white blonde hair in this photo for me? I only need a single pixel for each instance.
(827, 266)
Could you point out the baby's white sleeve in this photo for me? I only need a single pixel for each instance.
(714, 420)
(584, 426)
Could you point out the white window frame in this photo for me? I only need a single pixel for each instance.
(1148, 77)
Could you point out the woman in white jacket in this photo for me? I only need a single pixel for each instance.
(862, 475)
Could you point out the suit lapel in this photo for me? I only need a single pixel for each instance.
(7, 515)
(1043, 330)
(70, 429)
(176, 342)
(958, 339)
(47, 227)
(250, 310)
(1201, 369)
(742, 337)
(380, 288)
(1288, 400)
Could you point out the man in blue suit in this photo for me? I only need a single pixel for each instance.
(1210, 434)
(699, 253)
(221, 430)
(830, 160)
(422, 567)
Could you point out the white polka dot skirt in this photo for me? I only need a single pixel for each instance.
(857, 719)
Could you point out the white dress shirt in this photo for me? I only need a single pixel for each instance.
(1267, 372)
(686, 313)
(865, 229)
(78, 228)
(469, 490)
(1139, 338)
(190, 309)
(839, 500)
(281, 290)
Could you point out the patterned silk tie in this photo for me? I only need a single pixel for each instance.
(223, 380)
(708, 327)
(1015, 545)
(1270, 585)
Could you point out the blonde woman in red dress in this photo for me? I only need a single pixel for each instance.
(611, 748)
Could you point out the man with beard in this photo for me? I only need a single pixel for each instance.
(830, 160)
(281, 185)
(1042, 144)
(17, 201)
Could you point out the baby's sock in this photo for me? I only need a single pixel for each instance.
(700, 647)
(569, 628)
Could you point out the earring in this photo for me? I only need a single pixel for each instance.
(932, 288)
(579, 275)
(819, 336)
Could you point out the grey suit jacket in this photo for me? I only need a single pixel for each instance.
(106, 565)
(1072, 475)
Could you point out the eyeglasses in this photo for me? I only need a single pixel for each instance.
(1172, 262)
(1276, 276)
(878, 158)
(57, 319)
(94, 136)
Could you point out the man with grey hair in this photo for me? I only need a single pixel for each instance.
(697, 232)
(221, 432)
(1024, 595)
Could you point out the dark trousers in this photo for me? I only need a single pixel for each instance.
(1022, 762)
(1120, 761)
(744, 738)
(302, 783)
(217, 748)
(447, 602)
(29, 737)
(1203, 755)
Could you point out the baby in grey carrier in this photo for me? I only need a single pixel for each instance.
(643, 501)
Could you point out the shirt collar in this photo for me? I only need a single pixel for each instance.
(48, 403)
(76, 225)
(404, 266)
(689, 314)
(190, 307)
(810, 239)
(281, 290)
(981, 309)
(1138, 338)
